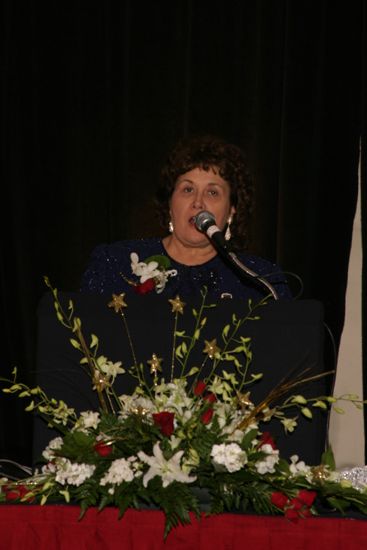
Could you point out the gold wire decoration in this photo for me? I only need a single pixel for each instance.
(280, 390)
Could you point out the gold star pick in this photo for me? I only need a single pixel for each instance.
(319, 473)
(177, 304)
(244, 399)
(211, 348)
(139, 410)
(155, 364)
(100, 382)
(117, 302)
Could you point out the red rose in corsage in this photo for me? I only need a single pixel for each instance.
(164, 420)
(153, 273)
(145, 287)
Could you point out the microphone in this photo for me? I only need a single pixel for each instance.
(205, 222)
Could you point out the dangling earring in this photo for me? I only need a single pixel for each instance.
(170, 227)
(227, 234)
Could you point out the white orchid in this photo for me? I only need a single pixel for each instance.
(135, 403)
(267, 464)
(90, 419)
(169, 470)
(109, 368)
(289, 424)
(173, 397)
(86, 421)
(143, 270)
(298, 466)
(53, 445)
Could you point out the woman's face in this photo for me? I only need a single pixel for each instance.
(195, 191)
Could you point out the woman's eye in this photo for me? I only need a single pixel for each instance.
(213, 192)
(187, 189)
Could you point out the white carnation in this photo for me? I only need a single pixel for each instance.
(73, 473)
(119, 471)
(231, 456)
(267, 464)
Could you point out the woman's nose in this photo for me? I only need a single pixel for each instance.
(199, 201)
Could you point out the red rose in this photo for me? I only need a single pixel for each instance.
(165, 422)
(280, 500)
(199, 388)
(292, 515)
(297, 507)
(145, 287)
(210, 398)
(306, 497)
(296, 504)
(103, 448)
(12, 495)
(17, 493)
(266, 439)
(207, 416)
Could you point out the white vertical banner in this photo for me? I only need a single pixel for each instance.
(346, 431)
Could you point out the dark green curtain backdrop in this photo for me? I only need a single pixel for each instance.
(94, 94)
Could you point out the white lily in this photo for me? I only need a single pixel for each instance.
(169, 470)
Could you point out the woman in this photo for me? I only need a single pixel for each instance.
(201, 174)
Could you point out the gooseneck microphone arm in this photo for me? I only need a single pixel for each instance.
(205, 222)
(254, 275)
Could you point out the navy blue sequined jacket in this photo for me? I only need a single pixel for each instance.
(110, 263)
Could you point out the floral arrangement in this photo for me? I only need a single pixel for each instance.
(153, 273)
(176, 439)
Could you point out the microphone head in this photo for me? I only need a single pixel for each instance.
(204, 220)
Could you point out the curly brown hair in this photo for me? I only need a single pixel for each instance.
(208, 152)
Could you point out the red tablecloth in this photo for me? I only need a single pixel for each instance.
(24, 527)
